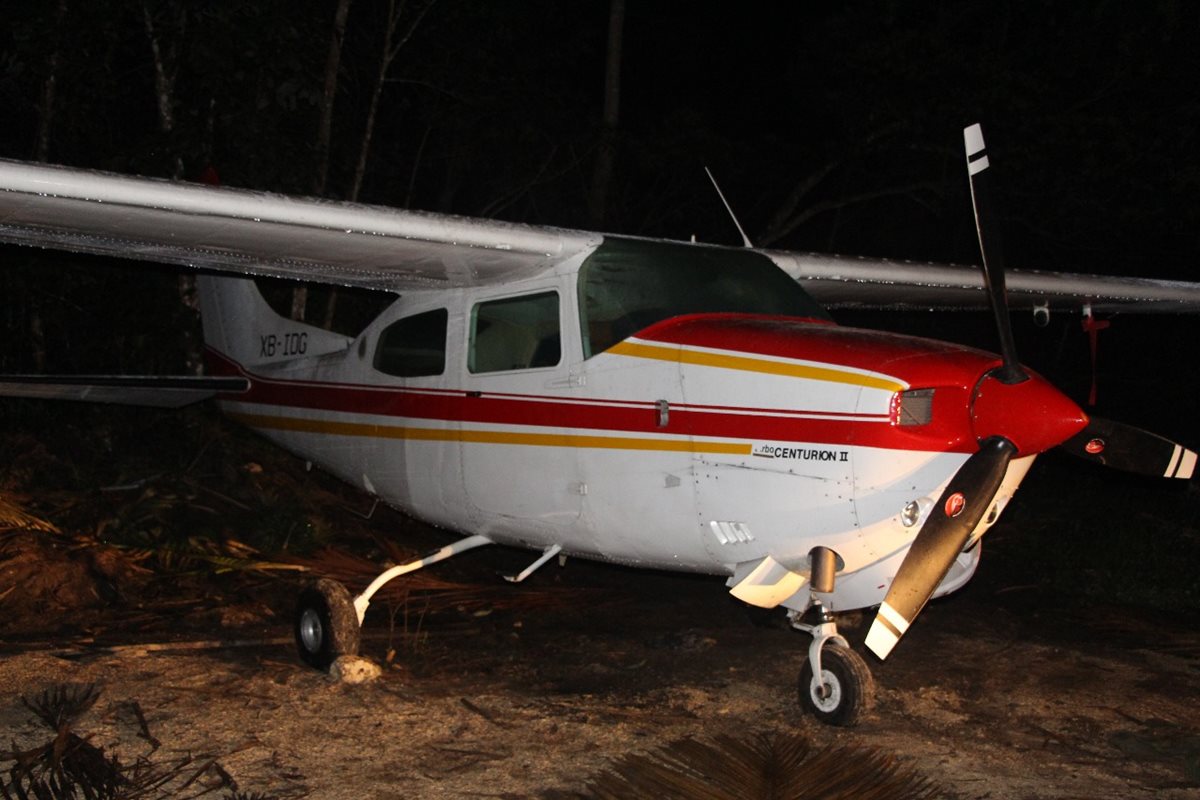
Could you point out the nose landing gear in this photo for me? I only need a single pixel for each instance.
(845, 690)
(835, 684)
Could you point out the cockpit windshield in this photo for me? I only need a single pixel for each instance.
(628, 284)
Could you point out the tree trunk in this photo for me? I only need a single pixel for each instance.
(166, 65)
(35, 329)
(391, 49)
(606, 155)
(332, 65)
(333, 62)
(50, 87)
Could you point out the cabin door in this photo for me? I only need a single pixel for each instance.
(519, 451)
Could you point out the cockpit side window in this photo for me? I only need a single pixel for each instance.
(415, 346)
(515, 333)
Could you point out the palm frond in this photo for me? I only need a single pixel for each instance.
(63, 705)
(764, 767)
(15, 518)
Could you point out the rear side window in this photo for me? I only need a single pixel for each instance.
(414, 346)
(515, 333)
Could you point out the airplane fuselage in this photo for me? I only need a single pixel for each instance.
(703, 442)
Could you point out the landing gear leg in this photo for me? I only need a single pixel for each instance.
(845, 690)
(835, 684)
(328, 620)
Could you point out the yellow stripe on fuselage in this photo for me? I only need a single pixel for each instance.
(339, 428)
(751, 364)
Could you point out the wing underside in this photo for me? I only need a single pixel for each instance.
(133, 390)
(842, 282)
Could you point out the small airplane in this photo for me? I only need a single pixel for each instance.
(652, 403)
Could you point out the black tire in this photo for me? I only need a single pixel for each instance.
(326, 624)
(849, 682)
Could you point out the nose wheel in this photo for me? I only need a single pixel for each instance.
(835, 683)
(845, 691)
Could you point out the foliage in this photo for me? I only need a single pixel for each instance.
(13, 517)
(763, 767)
(70, 767)
(190, 492)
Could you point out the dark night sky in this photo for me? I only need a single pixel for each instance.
(1090, 108)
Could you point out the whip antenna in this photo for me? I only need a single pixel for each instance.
(720, 194)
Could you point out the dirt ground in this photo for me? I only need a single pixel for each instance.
(991, 695)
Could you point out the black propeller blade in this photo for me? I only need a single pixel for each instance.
(1131, 449)
(991, 252)
(956, 514)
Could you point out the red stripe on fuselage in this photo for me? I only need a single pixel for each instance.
(614, 416)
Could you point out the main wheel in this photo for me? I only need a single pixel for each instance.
(846, 690)
(326, 624)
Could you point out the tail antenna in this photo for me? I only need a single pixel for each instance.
(745, 239)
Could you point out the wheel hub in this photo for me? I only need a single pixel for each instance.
(826, 691)
(311, 632)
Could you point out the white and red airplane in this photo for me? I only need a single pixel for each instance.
(653, 403)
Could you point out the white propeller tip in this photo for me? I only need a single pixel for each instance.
(973, 138)
(1183, 464)
(881, 640)
(887, 629)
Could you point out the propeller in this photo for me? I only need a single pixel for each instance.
(1011, 412)
(971, 491)
(956, 514)
(1113, 444)
(1131, 449)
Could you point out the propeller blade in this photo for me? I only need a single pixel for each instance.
(1131, 449)
(991, 251)
(957, 513)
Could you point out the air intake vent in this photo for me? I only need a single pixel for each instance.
(915, 407)
(731, 532)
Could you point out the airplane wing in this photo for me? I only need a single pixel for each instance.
(261, 233)
(843, 282)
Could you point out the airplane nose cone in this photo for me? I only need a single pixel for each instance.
(1032, 414)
